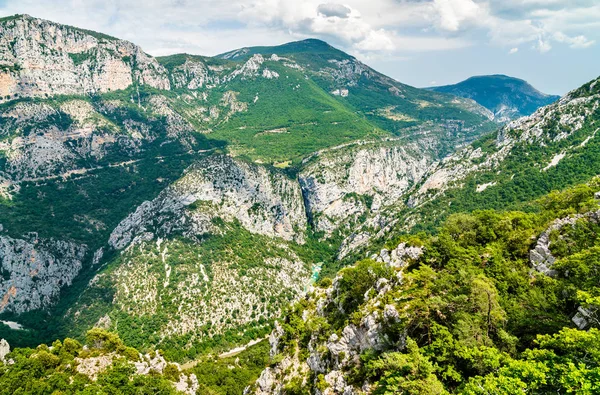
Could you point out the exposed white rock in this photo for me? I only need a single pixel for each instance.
(557, 158)
(384, 173)
(12, 325)
(483, 187)
(264, 202)
(340, 92)
(540, 257)
(45, 58)
(188, 384)
(249, 69)
(151, 362)
(270, 74)
(583, 318)
(38, 269)
(400, 256)
(93, 366)
(4, 349)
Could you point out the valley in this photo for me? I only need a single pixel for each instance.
(159, 211)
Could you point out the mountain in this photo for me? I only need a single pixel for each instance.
(507, 97)
(502, 280)
(493, 302)
(552, 149)
(185, 204)
(185, 200)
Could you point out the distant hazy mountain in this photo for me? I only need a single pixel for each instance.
(507, 97)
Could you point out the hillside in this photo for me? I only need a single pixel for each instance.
(184, 200)
(554, 148)
(499, 302)
(493, 301)
(508, 98)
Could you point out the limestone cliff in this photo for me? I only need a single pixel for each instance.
(35, 270)
(40, 58)
(264, 202)
(348, 181)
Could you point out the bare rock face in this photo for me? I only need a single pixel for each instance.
(335, 182)
(540, 257)
(192, 74)
(4, 349)
(400, 256)
(35, 271)
(263, 202)
(334, 357)
(187, 384)
(42, 58)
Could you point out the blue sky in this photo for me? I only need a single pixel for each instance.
(554, 44)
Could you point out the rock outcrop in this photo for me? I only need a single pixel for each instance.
(4, 350)
(35, 270)
(540, 257)
(263, 201)
(332, 357)
(346, 182)
(40, 58)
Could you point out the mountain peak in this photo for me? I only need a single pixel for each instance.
(507, 97)
(312, 46)
(14, 17)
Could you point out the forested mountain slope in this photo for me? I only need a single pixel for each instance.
(506, 97)
(499, 302)
(185, 199)
(555, 147)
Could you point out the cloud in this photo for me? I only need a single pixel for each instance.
(334, 10)
(574, 42)
(513, 50)
(376, 40)
(393, 27)
(542, 45)
(453, 13)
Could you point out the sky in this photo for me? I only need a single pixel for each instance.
(553, 44)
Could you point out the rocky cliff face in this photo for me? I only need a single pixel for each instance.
(346, 182)
(332, 355)
(35, 270)
(263, 202)
(550, 127)
(40, 58)
(55, 140)
(132, 109)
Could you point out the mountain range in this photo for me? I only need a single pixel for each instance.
(193, 204)
(507, 97)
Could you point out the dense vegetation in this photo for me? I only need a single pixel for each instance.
(105, 365)
(474, 317)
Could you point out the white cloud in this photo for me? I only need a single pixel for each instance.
(542, 45)
(376, 40)
(359, 26)
(574, 42)
(453, 13)
(334, 10)
(513, 50)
